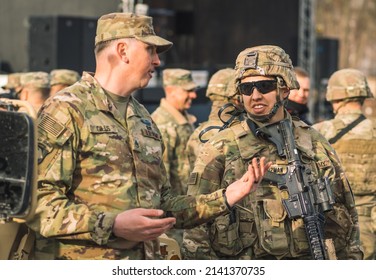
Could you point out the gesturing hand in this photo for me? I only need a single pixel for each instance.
(240, 188)
(141, 224)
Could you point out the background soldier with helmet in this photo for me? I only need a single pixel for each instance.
(354, 139)
(221, 91)
(259, 227)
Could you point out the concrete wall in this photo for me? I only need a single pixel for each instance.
(14, 16)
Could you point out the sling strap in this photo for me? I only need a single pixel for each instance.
(347, 129)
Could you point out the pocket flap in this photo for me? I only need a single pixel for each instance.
(274, 210)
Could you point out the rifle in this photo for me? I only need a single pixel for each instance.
(308, 198)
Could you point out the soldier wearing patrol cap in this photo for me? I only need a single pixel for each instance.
(13, 85)
(62, 78)
(353, 136)
(35, 88)
(102, 185)
(258, 227)
(176, 125)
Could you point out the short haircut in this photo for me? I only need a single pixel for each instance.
(301, 72)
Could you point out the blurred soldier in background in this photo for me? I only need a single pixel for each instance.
(35, 88)
(354, 139)
(62, 78)
(221, 90)
(13, 86)
(297, 104)
(260, 226)
(176, 126)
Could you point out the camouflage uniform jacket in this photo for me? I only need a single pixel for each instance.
(175, 127)
(94, 164)
(259, 228)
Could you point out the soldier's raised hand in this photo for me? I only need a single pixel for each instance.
(249, 181)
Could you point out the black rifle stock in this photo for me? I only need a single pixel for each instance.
(307, 199)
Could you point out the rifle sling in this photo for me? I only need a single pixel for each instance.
(347, 129)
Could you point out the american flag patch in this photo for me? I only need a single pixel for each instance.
(51, 126)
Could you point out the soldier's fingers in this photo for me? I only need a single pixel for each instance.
(256, 167)
(148, 212)
(162, 223)
(264, 166)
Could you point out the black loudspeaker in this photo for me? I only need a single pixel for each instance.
(89, 28)
(326, 57)
(61, 42)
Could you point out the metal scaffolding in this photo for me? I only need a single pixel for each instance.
(307, 37)
(307, 46)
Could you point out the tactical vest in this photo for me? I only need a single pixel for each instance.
(258, 226)
(358, 157)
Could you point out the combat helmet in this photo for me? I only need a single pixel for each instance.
(221, 85)
(347, 84)
(267, 60)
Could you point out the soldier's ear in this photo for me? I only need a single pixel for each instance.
(121, 50)
(285, 93)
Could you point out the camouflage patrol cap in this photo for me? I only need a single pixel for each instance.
(36, 79)
(63, 76)
(347, 83)
(266, 60)
(14, 80)
(219, 84)
(179, 77)
(129, 25)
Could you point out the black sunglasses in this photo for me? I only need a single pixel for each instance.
(263, 87)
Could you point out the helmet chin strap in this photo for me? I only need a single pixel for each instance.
(273, 111)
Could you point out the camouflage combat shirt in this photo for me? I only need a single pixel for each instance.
(259, 227)
(95, 163)
(176, 128)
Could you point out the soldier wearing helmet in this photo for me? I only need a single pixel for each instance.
(221, 91)
(259, 227)
(353, 136)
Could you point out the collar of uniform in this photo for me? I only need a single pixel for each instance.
(181, 118)
(302, 138)
(100, 98)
